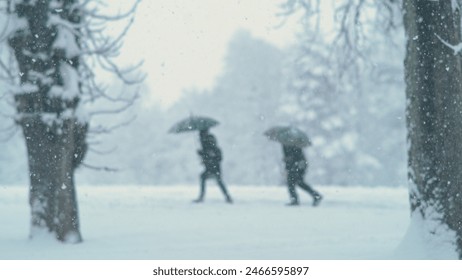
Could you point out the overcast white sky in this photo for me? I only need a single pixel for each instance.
(183, 42)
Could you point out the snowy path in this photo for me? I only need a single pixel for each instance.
(135, 222)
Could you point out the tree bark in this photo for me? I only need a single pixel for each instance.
(434, 117)
(54, 135)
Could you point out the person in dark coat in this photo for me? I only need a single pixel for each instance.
(296, 166)
(211, 158)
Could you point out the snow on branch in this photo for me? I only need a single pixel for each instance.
(88, 44)
(95, 43)
(456, 48)
(5, 72)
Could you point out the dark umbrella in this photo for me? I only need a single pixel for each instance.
(193, 123)
(289, 136)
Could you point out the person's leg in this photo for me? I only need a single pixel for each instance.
(291, 187)
(223, 187)
(317, 197)
(203, 177)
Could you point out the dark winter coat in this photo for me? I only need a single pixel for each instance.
(210, 153)
(295, 161)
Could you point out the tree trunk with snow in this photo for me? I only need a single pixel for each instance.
(46, 48)
(433, 73)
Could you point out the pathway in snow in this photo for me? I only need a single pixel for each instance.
(133, 222)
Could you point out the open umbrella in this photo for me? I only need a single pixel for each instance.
(193, 123)
(288, 135)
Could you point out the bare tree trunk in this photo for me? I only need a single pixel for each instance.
(55, 137)
(434, 117)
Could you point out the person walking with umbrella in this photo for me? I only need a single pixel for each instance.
(292, 140)
(210, 153)
(211, 158)
(296, 166)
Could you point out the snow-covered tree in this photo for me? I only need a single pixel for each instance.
(53, 44)
(433, 105)
(322, 103)
(433, 72)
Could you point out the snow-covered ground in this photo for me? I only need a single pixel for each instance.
(154, 222)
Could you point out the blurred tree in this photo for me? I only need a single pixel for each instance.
(50, 42)
(322, 103)
(338, 92)
(245, 99)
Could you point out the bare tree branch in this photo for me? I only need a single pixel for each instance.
(94, 13)
(99, 168)
(105, 130)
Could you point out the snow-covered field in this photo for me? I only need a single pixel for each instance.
(154, 222)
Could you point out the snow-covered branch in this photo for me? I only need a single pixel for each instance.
(456, 48)
(78, 60)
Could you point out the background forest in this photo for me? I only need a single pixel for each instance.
(260, 86)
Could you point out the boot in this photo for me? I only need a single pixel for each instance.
(293, 203)
(316, 200)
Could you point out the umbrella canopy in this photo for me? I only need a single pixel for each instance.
(289, 136)
(193, 123)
